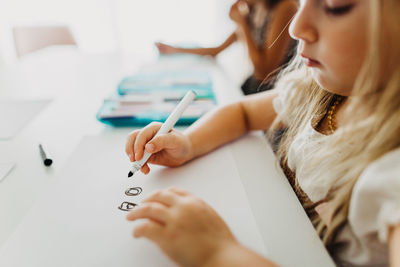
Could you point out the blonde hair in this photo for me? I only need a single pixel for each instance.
(372, 130)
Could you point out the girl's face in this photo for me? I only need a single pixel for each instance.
(333, 40)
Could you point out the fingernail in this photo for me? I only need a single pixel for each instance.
(136, 155)
(150, 147)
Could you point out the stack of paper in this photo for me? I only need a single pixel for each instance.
(77, 223)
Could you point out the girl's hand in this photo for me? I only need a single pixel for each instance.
(188, 230)
(239, 11)
(166, 49)
(171, 149)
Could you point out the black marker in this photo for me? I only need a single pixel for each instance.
(47, 161)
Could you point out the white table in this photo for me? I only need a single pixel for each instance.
(77, 84)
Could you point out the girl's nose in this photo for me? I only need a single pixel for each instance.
(303, 27)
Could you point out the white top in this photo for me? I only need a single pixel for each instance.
(374, 204)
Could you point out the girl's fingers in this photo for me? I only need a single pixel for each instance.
(143, 137)
(165, 197)
(153, 211)
(161, 142)
(150, 229)
(129, 145)
(145, 168)
(179, 191)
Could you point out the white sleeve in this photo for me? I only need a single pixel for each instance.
(375, 200)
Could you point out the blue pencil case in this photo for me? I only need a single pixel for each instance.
(176, 83)
(120, 112)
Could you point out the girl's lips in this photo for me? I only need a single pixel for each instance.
(309, 62)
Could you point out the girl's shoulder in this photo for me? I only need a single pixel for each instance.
(384, 169)
(375, 200)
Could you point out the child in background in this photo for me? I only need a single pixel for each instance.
(341, 152)
(261, 24)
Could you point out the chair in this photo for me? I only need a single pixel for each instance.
(33, 38)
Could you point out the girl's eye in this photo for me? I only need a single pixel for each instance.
(337, 11)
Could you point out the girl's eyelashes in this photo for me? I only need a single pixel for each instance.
(337, 11)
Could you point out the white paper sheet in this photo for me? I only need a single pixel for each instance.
(5, 169)
(15, 114)
(77, 222)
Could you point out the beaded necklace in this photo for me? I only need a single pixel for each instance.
(332, 113)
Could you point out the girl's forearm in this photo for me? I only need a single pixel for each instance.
(394, 246)
(217, 127)
(211, 51)
(229, 122)
(237, 255)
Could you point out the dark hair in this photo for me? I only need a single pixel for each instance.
(272, 3)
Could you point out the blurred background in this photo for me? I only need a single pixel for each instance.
(123, 26)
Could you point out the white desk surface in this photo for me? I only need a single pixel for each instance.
(77, 85)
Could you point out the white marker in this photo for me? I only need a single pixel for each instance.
(165, 128)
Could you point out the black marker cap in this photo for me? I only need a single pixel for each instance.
(47, 161)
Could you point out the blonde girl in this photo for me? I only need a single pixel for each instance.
(340, 103)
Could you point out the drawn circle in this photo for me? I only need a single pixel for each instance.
(134, 191)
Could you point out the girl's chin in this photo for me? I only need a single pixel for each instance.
(322, 80)
(329, 86)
